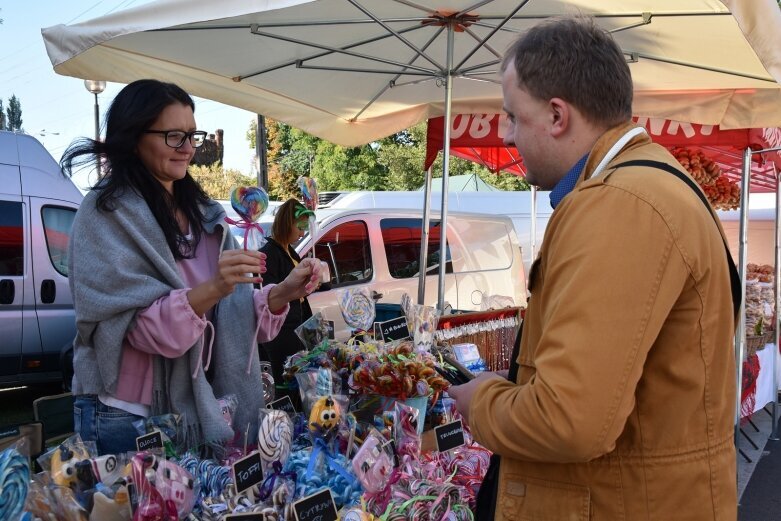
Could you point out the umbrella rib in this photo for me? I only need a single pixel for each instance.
(490, 34)
(696, 66)
(408, 3)
(392, 83)
(471, 8)
(493, 51)
(474, 68)
(338, 50)
(301, 65)
(396, 34)
(278, 25)
(320, 55)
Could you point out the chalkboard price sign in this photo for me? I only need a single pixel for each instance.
(317, 507)
(284, 404)
(449, 436)
(153, 440)
(247, 472)
(396, 329)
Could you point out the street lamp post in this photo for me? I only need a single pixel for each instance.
(96, 87)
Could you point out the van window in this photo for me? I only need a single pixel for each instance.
(57, 224)
(11, 239)
(402, 247)
(347, 252)
(487, 245)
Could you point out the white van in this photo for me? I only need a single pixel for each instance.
(380, 249)
(515, 205)
(37, 207)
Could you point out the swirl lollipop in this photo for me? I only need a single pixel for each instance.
(357, 308)
(308, 187)
(14, 483)
(249, 202)
(274, 436)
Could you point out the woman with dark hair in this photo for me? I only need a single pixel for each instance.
(167, 317)
(290, 224)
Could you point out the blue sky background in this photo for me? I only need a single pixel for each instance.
(58, 109)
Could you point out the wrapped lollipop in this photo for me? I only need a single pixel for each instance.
(357, 307)
(275, 436)
(308, 187)
(250, 202)
(14, 482)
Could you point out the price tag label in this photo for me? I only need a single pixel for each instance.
(153, 440)
(283, 404)
(247, 472)
(317, 507)
(449, 436)
(396, 329)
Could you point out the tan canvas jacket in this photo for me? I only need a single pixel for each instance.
(624, 403)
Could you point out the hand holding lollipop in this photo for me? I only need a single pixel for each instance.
(249, 202)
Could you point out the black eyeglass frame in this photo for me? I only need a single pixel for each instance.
(187, 136)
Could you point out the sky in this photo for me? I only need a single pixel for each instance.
(59, 109)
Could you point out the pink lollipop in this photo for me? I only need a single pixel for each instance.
(308, 188)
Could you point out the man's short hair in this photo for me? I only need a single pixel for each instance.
(575, 60)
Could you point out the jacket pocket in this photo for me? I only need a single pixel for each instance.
(526, 499)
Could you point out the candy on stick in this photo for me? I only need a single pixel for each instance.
(308, 187)
(250, 202)
(357, 307)
(275, 436)
(14, 482)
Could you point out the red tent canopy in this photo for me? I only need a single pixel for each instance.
(478, 138)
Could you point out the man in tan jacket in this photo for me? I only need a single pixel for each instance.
(623, 400)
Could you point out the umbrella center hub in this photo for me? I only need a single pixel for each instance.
(459, 21)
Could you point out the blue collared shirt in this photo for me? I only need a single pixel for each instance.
(567, 183)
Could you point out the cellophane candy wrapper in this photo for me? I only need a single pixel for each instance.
(357, 307)
(373, 463)
(424, 324)
(275, 437)
(165, 490)
(14, 479)
(228, 406)
(406, 431)
(318, 382)
(313, 332)
(61, 460)
(169, 426)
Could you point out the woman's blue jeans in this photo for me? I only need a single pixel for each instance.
(110, 428)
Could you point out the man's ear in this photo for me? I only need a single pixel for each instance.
(560, 116)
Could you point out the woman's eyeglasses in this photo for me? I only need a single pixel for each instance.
(175, 138)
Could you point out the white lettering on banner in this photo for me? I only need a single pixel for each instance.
(481, 125)
(502, 125)
(656, 127)
(459, 126)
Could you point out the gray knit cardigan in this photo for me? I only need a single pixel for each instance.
(119, 264)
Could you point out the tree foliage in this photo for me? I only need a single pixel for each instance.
(3, 125)
(392, 163)
(217, 181)
(13, 114)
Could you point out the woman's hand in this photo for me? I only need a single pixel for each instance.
(234, 267)
(302, 281)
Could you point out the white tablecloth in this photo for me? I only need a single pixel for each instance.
(765, 393)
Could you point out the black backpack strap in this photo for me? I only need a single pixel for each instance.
(734, 277)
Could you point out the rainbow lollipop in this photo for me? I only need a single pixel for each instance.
(249, 202)
(308, 188)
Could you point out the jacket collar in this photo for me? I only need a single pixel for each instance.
(601, 148)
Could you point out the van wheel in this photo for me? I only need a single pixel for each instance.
(66, 366)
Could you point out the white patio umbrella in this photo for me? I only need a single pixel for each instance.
(352, 71)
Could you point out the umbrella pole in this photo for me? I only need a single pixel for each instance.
(777, 282)
(445, 170)
(424, 233)
(740, 334)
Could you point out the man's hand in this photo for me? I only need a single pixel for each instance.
(463, 394)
